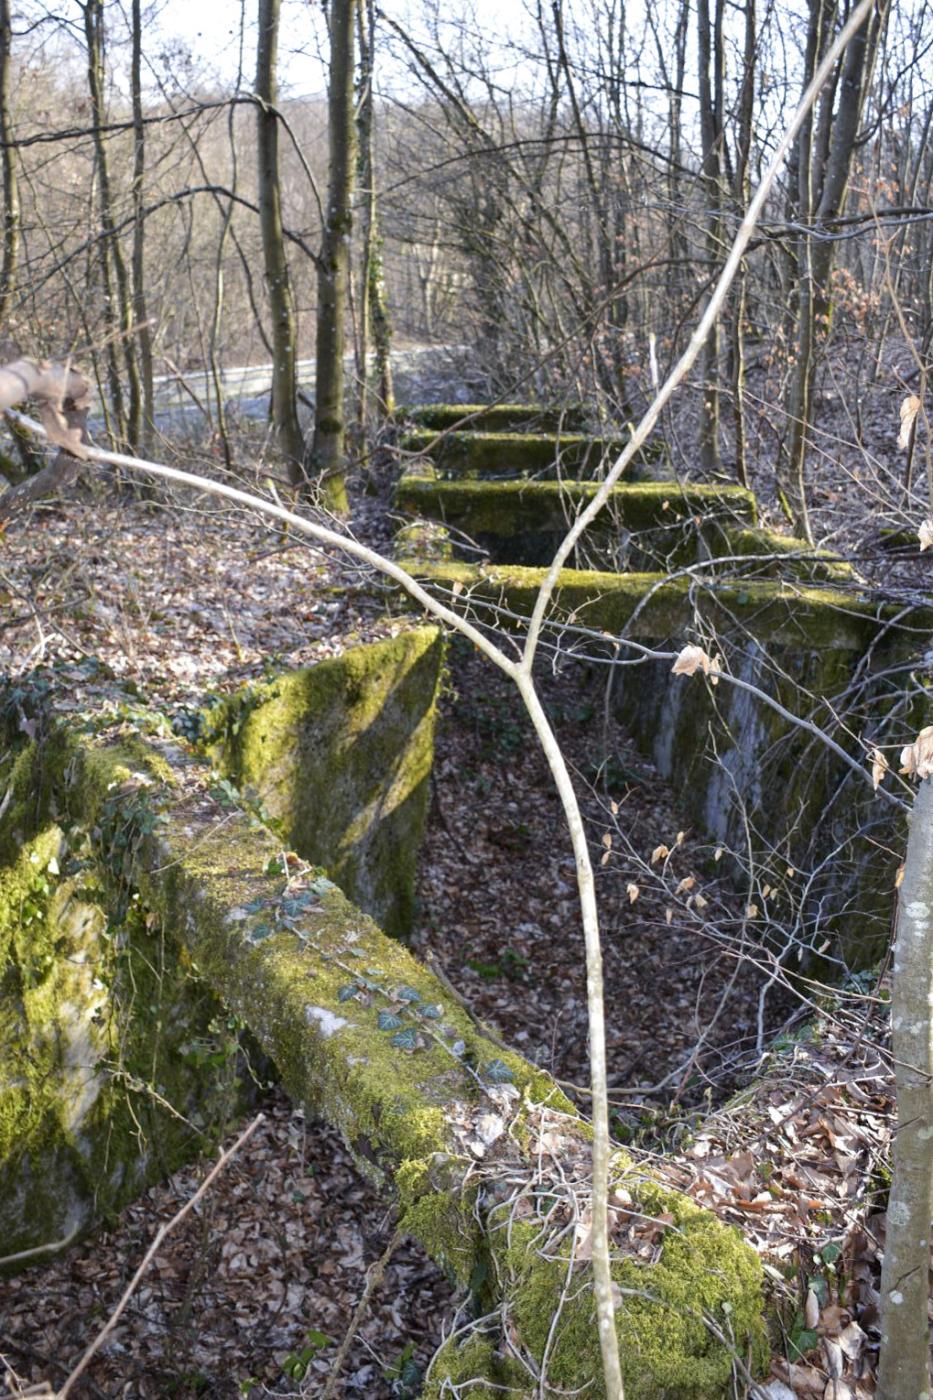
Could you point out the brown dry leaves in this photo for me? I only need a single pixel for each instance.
(917, 758)
(909, 410)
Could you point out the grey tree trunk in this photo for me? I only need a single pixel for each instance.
(825, 161)
(281, 306)
(710, 51)
(328, 455)
(905, 1339)
(11, 213)
(140, 312)
(376, 397)
(118, 313)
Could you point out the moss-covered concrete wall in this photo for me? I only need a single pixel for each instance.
(746, 775)
(117, 1061)
(339, 757)
(488, 455)
(646, 524)
(487, 1158)
(496, 418)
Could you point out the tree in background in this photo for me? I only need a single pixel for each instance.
(284, 335)
(329, 446)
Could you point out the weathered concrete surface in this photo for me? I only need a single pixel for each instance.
(747, 776)
(487, 1158)
(647, 524)
(501, 455)
(339, 756)
(495, 418)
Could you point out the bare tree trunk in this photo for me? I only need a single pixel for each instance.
(118, 313)
(11, 212)
(710, 49)
(284, 328)
(374, 322)
(741, 196)
(905, 1337)
(825, 163)
(140, 312)
(330, 427)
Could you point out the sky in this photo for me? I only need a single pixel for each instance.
(211, 29)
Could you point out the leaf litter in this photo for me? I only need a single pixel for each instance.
(183, 601)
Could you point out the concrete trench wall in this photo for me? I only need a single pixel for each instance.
(788, 619)
(121, 851)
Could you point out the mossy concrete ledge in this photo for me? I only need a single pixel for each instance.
(645, 525)
(339, 757)
(487, 1158)
(497, 418)
(500, 455)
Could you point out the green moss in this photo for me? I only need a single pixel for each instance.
(780, 555)
(498, 456)
(702, 1270)
(339, 756)
(497, 418)
(657, 608)
(481, 1368)
(526, 520)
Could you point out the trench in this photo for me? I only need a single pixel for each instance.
(276, 1258)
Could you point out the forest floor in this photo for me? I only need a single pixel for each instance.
(272, 1263)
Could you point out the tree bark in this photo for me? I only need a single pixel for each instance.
(824, 165)
(710, 51)
(118, 315)
(11, 210)
(140, 311)
(328, 455)
(375, 400)
(281, 306)
(905, 1338)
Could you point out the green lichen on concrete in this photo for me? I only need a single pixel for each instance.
(498, 456)
(358, 1029)
(497, 418)
(102, 1088)
(652, 606)
(339, 756)
(537, 511)
(782, 556)
(473, 1365)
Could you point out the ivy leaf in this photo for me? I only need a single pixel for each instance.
(389, 1021)
(431, 1013)
(407, 994)
(498, 1071)
(346, 993)
(406, 1039)
(260, 931)
(321, 885)
(254, 906)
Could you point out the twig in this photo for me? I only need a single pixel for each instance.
(151, 1253)
(53, 1245)
(372, 1283)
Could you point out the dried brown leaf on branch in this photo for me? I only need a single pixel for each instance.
(879, 767)
(917, 758)
(909, 410)
(691, 660)
(925, 534)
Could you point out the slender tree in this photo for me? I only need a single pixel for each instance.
(140, 311)
(905, 1339)
(115, 281)
(281, 306)
(328, 454)
(824, 156)
(11, 212)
